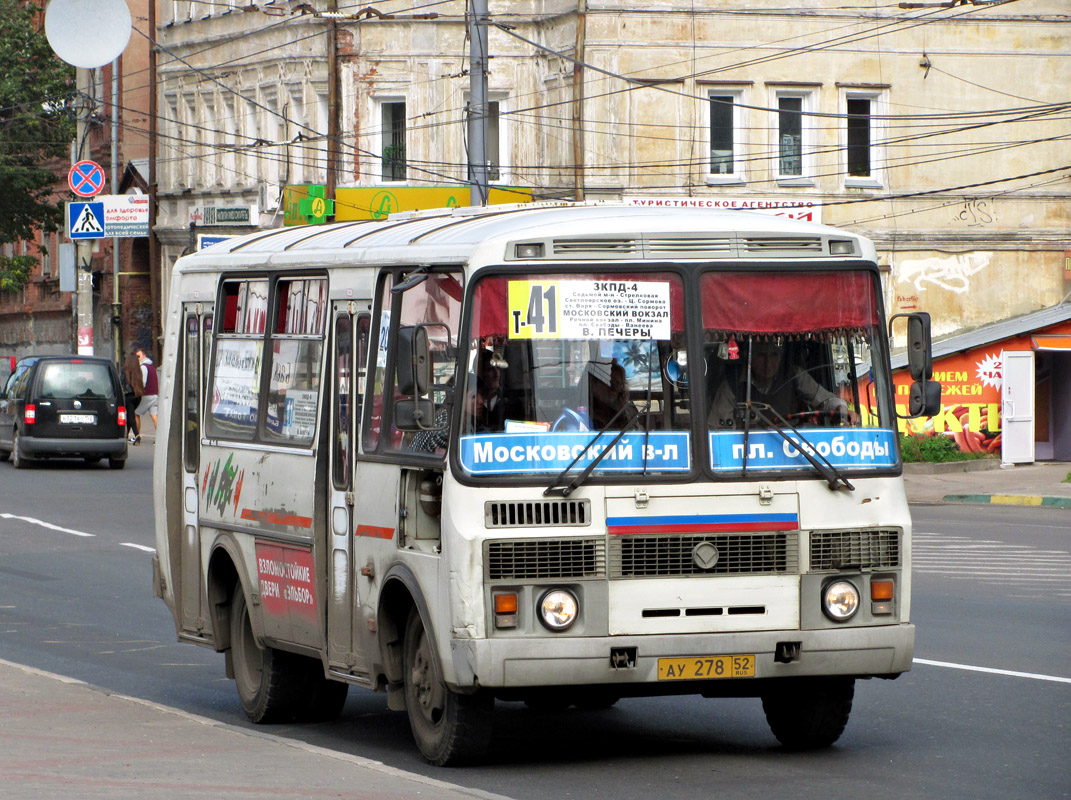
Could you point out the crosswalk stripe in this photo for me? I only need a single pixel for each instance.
(992, 562)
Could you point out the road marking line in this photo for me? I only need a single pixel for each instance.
(1035, 676)
(139, 547)
(48, 525)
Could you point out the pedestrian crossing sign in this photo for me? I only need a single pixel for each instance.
(85, 220)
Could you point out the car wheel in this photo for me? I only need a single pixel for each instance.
(116, 463)
(18, 460)
(4, 455)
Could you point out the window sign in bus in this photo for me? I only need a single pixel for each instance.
(519, 453)
(236, 386)
(598, 309)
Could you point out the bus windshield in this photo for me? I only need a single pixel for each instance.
(560, 364)
(788, 361)
(558, 358)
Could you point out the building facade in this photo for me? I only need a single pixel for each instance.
(939, 130)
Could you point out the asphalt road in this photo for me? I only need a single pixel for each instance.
(984, 714)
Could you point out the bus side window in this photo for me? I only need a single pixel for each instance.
(341, 436)
(294, 373)
(239, 350)
(434, 304)
(378, 380)
(192, 392)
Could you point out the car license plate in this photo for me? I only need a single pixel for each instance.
(77, 419)
(706, 667)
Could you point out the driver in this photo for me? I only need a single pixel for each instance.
(785, 387)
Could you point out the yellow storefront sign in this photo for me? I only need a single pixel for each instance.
(376, 202)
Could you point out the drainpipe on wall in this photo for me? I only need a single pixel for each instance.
(578, 100)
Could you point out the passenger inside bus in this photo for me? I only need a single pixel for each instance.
(779, 382)
(607, 394)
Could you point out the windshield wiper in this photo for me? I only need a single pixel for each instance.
(832, 475)
(568, 489)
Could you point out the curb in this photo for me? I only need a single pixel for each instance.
(1010, 500)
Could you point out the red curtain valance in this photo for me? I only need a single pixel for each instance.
(787, 302)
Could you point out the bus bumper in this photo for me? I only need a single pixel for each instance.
(628, 660)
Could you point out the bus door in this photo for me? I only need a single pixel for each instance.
(349, 356)
(196, 349)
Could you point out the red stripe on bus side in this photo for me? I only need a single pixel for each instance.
(375, 532)
(275, 518)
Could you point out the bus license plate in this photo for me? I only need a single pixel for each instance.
(706, 667)
(77, 419)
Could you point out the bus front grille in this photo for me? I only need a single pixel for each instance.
(533, 559)
(699, 554)
(536, 513)
(833, 550)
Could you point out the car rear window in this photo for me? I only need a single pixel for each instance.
(63, 380)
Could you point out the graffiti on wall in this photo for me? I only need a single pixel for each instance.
(949, 272)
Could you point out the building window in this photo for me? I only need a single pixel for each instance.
(790, 136)
(392, 140)
(862, 136)
(726, 137)
(858, 137)
(497, 141)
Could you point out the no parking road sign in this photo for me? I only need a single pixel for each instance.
(86, 178)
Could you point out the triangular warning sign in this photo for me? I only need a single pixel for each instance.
(87, 222)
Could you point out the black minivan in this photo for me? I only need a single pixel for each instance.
(63, 407)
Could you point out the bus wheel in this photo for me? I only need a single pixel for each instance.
(449, 728)
(268, 680)
(809, 713)
(325, 697)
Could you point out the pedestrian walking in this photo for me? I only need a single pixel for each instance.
(133, 389)
(152, 385)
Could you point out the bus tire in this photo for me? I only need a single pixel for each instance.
(325, 697)
(449, 728)
(809, 713)
(268, 680)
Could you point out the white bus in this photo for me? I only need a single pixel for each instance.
(558, 454)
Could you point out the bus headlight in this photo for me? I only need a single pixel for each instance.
(840, 600)
(558, 609)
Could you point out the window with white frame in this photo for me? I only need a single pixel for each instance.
(793, 143)
(208, 135)
(323, 127)
(189, 143)
(862, 135)
(391, 144)
(726, 116)
(497, 140)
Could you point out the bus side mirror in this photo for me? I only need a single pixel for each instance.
(414, 415)
(919, 358)
(414, 361)
(924, 399)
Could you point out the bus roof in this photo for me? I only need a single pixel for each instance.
(566, 231)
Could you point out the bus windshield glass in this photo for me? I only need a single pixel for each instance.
(560, 364)
(787, 359)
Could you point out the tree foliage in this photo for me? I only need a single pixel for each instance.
(35, 89)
